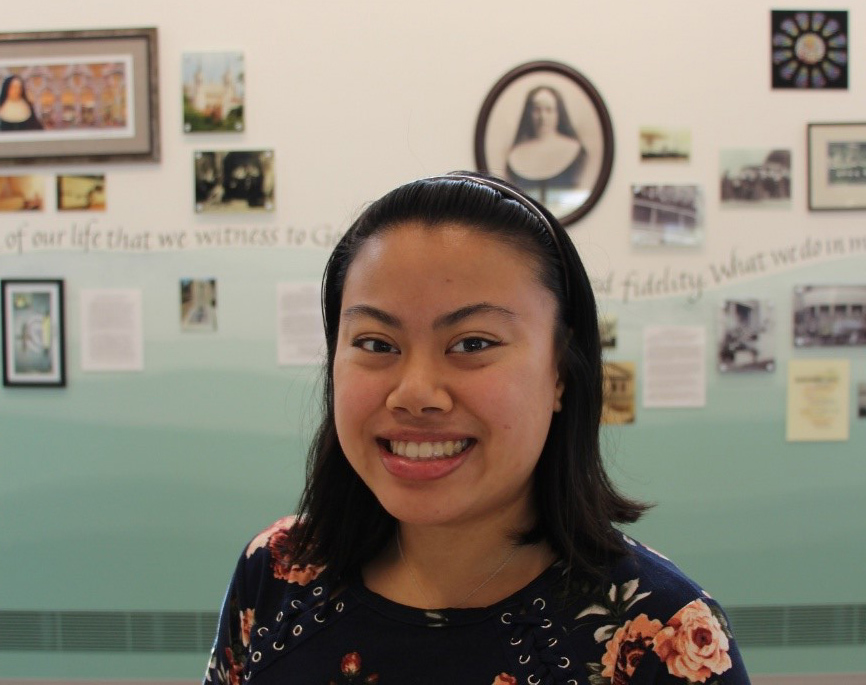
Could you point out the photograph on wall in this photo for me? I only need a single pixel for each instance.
(667, 215)
(665, 144)
(236, 181)
(545, 128)
(746, 336)
(198, 305)
(608, 325)
(213, 91)
(619, 393)
(22, 193)
(837, 166)
(81, 193)
(33, 333)
(755, 178)
(830, 315)
(78, 96)
(809, 49)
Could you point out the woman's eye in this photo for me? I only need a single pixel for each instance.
(375, 345)
(469, 345)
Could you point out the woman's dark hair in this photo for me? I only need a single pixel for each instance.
(526, 127)
(576, 503)
(7, 83)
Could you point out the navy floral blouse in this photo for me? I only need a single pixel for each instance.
(648, 623)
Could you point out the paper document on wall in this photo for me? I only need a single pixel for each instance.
(112, 333)
(300, 333)
(818, 400)
(675, 372)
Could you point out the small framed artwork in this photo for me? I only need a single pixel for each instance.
(213, 92)
(830, 315)
(84, 193)
(79, 96)
(837, 166)
(234, 181)
(665, 144)
(809, 49)
(755, 177)
(545, 128)
(33, 333)
(198, 304)
(746, 336)
(22, 193)
(619, 393)
(667, 215)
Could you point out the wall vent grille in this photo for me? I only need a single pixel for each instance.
(163, 631)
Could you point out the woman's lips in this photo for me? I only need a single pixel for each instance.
(427, 460)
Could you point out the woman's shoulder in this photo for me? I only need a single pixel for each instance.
(272, 555)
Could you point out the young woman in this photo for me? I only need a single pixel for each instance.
(457, 524)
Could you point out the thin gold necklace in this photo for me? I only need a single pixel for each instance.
(471, 593)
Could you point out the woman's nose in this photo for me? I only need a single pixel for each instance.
(419, 389)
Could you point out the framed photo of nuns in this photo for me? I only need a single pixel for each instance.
(545, 128)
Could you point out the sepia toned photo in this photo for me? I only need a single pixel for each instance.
(198, 305)
(755, 178)
(545, 128)
(213, 91)
(33, 333)
(665, 144)
(81, 193)
(746, 336)
(22, 193)
(667, 215)
(237, 181)
(830, 315)
(861, 400)
(619, 393)
(78, 96)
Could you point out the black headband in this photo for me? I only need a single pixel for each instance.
(524, 201)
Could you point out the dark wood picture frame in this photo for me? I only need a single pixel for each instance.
(505, 122)
(90, 121)
(836, 165)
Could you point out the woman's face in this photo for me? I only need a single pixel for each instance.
(545, 117)
(16, 89)
(445, 375)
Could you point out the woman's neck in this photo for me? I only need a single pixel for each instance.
(437, 566)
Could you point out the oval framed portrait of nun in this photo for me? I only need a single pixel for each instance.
(545, 128)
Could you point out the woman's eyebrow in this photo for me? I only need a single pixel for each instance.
(471, 310)
(443, 321)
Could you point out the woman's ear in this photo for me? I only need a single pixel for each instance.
(557, 395)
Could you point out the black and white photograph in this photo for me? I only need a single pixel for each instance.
(667, 215)
(837, 166)
(659, 144)
(213, 92)
(755, 178)
(830, 315)
(545, 128)
(236, 181)
(33, 333)
(608, 325)
(198, 305)
(746, 336)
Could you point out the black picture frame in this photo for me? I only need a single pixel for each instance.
(503, 130)
(837, 166)
(34, 349)
(93, 96)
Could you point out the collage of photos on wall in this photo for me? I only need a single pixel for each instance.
(544, 126)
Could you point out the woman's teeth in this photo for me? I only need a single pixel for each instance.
(427, 450)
